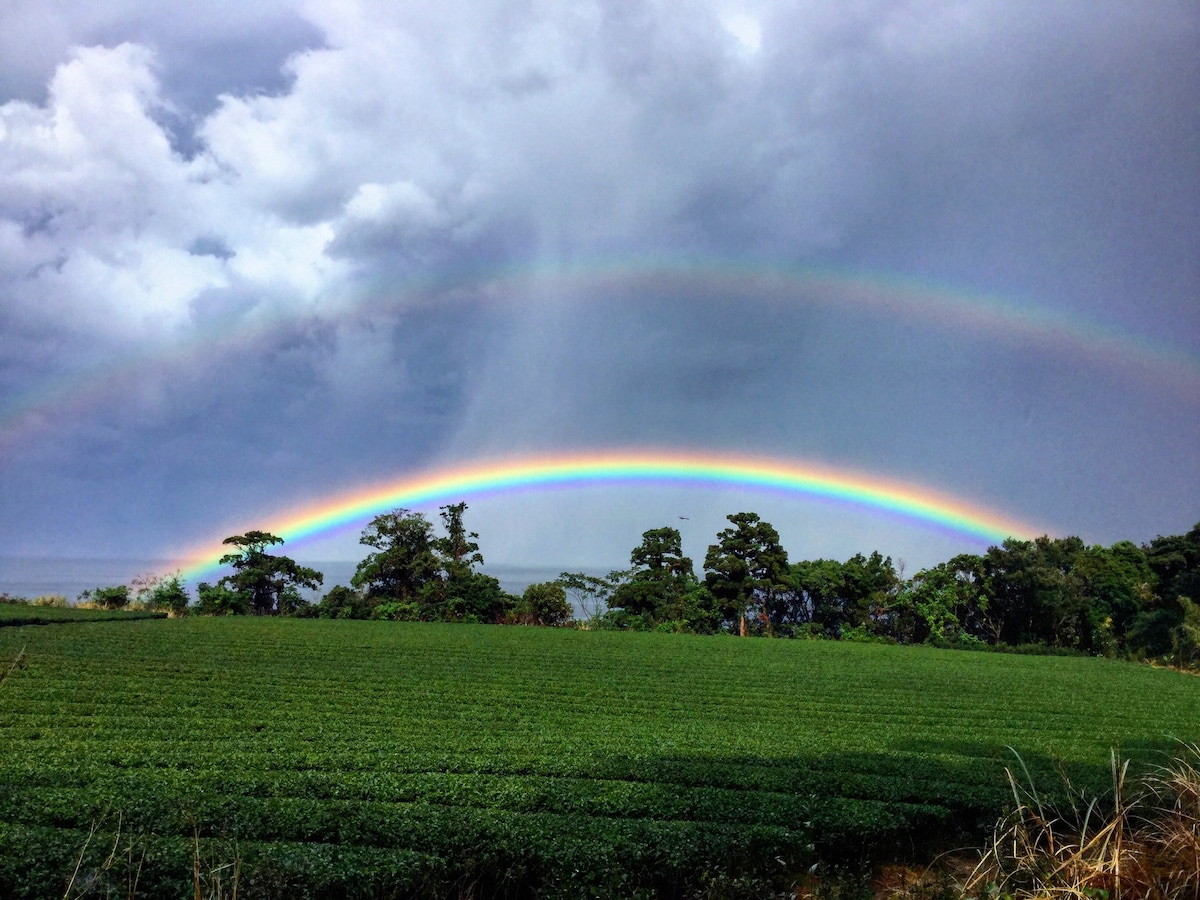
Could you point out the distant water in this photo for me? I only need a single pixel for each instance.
(35, 577)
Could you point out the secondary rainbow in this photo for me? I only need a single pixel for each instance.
(943, 306)
(703, 470)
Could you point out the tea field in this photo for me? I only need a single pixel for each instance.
(27, 614)
(370, 759)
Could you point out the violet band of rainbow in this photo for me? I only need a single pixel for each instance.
(955, 309)
(469, 480)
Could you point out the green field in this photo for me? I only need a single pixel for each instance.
(29, 614)
(328, 758)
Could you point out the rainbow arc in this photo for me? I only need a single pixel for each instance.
(953, 309)
(478, 479)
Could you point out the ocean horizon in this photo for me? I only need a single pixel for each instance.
(31, 577)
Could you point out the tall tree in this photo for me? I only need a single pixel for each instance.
(458, 549)
(870, 584)
(403, 561)
(269, 584)
(1117, 582)
(459, 593)
(815, 594)
(1175, 562)
(747, 569)
(659, 579)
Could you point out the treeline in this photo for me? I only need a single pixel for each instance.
(1054, 594)
(412, 574)
(1045, 595)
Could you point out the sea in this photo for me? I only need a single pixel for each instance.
(32, 577)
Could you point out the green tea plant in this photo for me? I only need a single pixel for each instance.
(327, 755)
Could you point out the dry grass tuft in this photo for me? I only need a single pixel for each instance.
(1140, 843)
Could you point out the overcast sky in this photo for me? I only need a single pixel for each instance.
(253, 255)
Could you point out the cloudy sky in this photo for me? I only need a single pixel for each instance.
(256, 255)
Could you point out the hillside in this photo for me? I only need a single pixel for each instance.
(327, 758)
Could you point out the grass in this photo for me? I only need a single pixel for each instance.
(15, 614)
(423, 760)
(1138, 841)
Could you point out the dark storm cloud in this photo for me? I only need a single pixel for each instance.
(319, 242)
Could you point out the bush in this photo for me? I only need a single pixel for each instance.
(1186, 637)
(116, 597)
(962, 641)
(811, 631)
(169, 595)
(544, 604)
(397, 611)
(341, 602)
(218, 600)
(862, 634)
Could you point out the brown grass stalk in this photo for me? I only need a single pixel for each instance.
(1140, 843)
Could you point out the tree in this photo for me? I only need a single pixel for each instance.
(592, 593)
(403, 561)
(945, 602)
(747, 569)
(815, 594)
(268, 584)
(1035, 597)
(458, 549)
(870, 586)
(544, 604)
(1175, 564)
(659, 580)
(467, 597)
(458, 593)
(1117, 582)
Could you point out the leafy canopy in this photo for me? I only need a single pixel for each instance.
(264, 583)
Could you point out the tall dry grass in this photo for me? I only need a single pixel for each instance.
(1140, 842)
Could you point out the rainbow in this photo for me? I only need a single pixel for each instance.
(655, 468)
(941, 305)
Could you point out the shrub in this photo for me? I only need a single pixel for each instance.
(218, 600)
(169, 594)
(116, 597)
(544, 604)
(1186, 637)
(397, 611)
(341, 602)
(862, 634)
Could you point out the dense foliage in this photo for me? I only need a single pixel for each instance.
(1045, 595)
(1048, 594)
(372, 759)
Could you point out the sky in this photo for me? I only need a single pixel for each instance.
(255, 257)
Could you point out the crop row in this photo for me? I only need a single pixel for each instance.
(527, 756)
(399, 849)
(27, 614)
(539, 781)
(592, 796)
